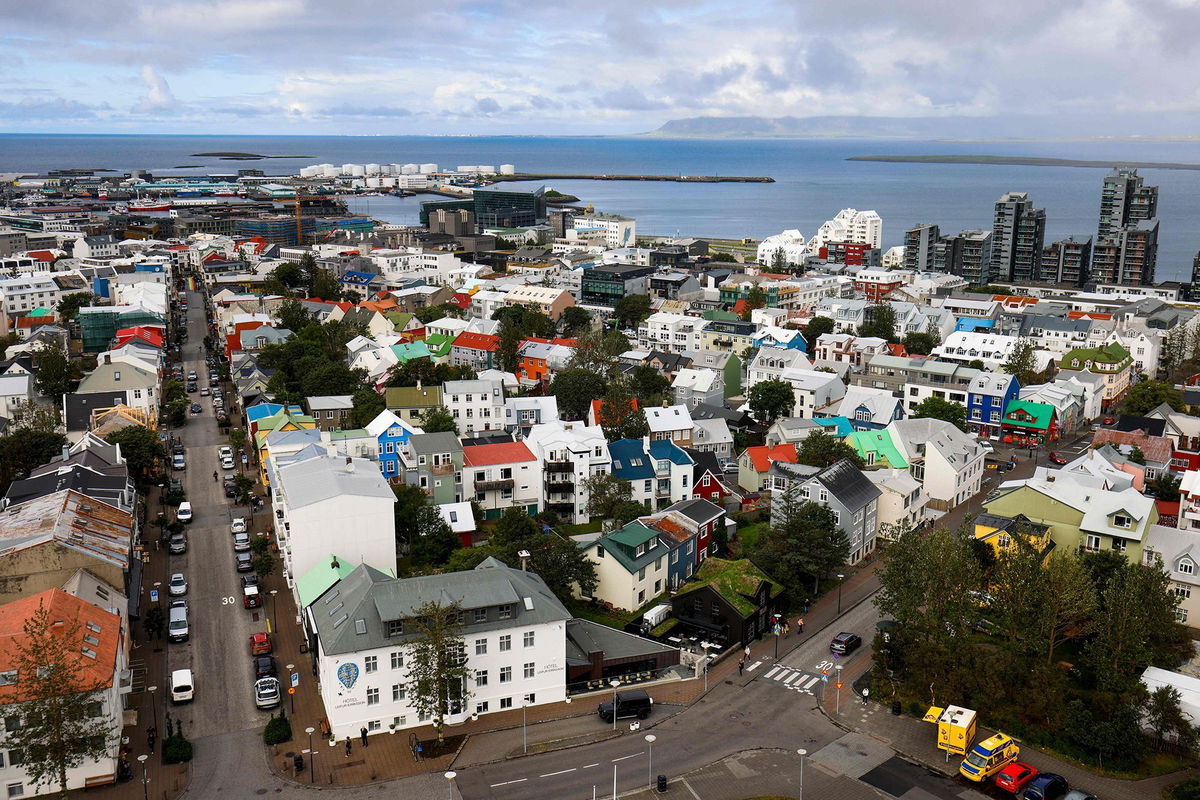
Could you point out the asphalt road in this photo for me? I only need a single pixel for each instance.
(217, 651)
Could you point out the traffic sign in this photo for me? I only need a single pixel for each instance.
(824, 679)
(839, 684)
(154, 595)
(291, 690)
(295, 679)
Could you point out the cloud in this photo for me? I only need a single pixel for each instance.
(627, 98)
(50, 109)
(158, 98)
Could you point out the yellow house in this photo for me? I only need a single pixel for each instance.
(1003, 533)
(279, 422)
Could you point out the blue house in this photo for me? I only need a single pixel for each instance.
(392, 434)
(987, 398)
(783, 338)
(659, 472)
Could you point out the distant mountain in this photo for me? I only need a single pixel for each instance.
(1171, 125)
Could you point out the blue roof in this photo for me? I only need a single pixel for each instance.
(973, 324)
(630, 461)
(664, 449)
(840, 426)
(263, 410)
(359, 277)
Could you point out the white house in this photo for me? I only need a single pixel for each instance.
(500, 476)
(671, 333)
(570, 453)
(327, 499)
(476, 405)
(1177, 553)
(967, 346)
(948, 462)
(901, 504)
(16, 390)
(514, 643)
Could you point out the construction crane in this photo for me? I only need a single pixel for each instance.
(299, 223)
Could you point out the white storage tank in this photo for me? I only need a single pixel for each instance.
(330, 170)
(408, 169)
(508, 169)
(358, 170)
(372, 169)
(425, 169)
(359, 183)
(347, 169)
(486, 169)
(389, 181)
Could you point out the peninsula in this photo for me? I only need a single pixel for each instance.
(1026, 161)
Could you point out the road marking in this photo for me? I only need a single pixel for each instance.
(799, 676)
(810, 683)
(754, 666)
(782, 675)
(631, 755)
(506, 783)
(688, 786)
(588, 766)
(770, 674)
(560, 772)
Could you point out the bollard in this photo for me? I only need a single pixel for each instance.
(662, 784)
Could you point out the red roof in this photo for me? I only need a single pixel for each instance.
(33, 322)
(152, 335)
(740, 307)
(41, 255)
(461, 300)
(103, 628)
(762, 456)
(599, 404)
(898, 350)
(563, 342)
(483, 455)
(1088, 315)
(477, 341)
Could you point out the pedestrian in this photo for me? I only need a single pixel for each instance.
(747, 651)
(151, 737)
(787, 629)
(215, 478)
(805, 607)
(349, 746)
(800, 626)
(362, 733)
(741, 665)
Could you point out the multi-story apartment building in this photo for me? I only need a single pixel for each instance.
(500, 476)
(434, 462)
(727, 335)
(919, 247)
(1125, 200)
(544, 299)
(1068, 261)
(604, 285)
(917, 378)
(476, 405)
(671, 333)
(570, 453)
(618, 231)
(1129, 256)
(1018, 234)
(967, 254)
(840, 487)
(967, 346)
(988, 395)
(843, 348)
(1111, 361)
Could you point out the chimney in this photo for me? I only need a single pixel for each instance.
(349, 464)
(107, 358)
(66, 452)
(334, 563)
(524, 555)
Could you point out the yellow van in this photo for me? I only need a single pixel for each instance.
(989, 757)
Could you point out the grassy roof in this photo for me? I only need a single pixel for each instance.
(733, 580)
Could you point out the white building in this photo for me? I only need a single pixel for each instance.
(500, 476)
(791, 244)
(902, 500)
(571, 452)
(618, 231)
(967, 346)
(475, 405)
(329, 503)
(671, 333)
(27, 292)
(849, 225)
(16, 390)
(514, 642)
(948, 462)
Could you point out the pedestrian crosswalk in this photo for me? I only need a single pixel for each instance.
(794, 679)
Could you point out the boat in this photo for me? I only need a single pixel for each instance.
(150, 204)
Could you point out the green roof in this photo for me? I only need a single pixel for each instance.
(880, 443)
(439, 344)
(399, 319)
(1042, 413)
(724, 316)
(40, 312)
(349, 433)
(1111, 353)
(413, 396)
(314, 583)
(632, 535)
(407, 351)
(733, 580)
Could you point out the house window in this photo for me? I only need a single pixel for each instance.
(481, 677)
(373, 697)
(675, 557)
(505, 702)
(1122, 521)
(481, 647)
(823, 496)
(642, 574)
(528, 670)
(370, 664)
(397, 693)
(506, 611)
(1185, 566)
(1091, 543)
(16, 790)
(599, 552)
(506, 674)
(505, 643)
(528, 639)
(480, 615)
(395, 627)
(1118, 545)
(1183, 591)
(397, 660)
(481, 708)
(641, 597)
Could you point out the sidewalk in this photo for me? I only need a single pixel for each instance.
(916, 740)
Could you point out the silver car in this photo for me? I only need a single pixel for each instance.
(241, 542)
(177, 586)
(266, 692)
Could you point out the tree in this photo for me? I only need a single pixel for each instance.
(285, 280)
(628, 510)
(331, 378)
(806, 547)
(648, 384)
(52, 376)
(324, 284)
(618, 417)
(880, 322)
(1165, 717)
(557, 561)
(141, 448)
(57, 699)
(574, 320)
(69, 305)
(1021, 362)
(433, 541)
(1137, 456)
(937, 408)
(770, 400)
(154, 621)
(508, 350)
(575, 389)
(1146, 396)
(1068, 603)
(724, 258)
(756, 298)
(920, 343)
(437, 663)
(598, 352)
(36, 417)
(439, 420)
(367, 403)
(292, 315)
(631, 309)
(604, 492)
(1166, 487)
(779, 260)
(816, 327)
(821, 449)
(25, 449)
(1137, 609)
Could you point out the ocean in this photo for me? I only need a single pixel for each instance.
(813, 180)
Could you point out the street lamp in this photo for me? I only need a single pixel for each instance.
(524, 730)
(145, 780)
(841, 579)
(837, 709)
(614, 683)
(706, 645)
(450, 776)
(650, 737)
(802, 753)
(274, 626)
(153, 705)
(776, 630)
(312, 755)
(290, 667)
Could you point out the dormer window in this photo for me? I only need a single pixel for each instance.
(1186, 566)
(1122, 521)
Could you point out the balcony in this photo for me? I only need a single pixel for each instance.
(562, 509)
(561, 483)
(442, 469)
(662, 489)
(560, 466)
(503, 485)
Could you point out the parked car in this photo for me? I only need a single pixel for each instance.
(191, 375)
(845, 643)
(177, 449)
(260, 644)
(227, 462)
(251, 596)
(225, 451)
(987, 447)
(177, 585)
(243, 562)
(184, 512)
(179, 461)
(183, 686)
(229, 486)
(177, 621)
(631, 703)
(241, 542)
(238, 525)
(266, 692)
(1079, 794)
(1015, 777)
(1046, 786)
(174, 485)
(191, 387)
(177, 544)
(1056, 458)
(1109, 421)
(204, 391)
(264, 667)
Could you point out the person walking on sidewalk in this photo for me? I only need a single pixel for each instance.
(741, 665)
(362, 733)
(747, 651)
(215, 479)
(800, 626)
(787, 629)
(349, 746)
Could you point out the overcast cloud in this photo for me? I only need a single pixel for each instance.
(624, 66)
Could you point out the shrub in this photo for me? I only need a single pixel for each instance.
(278, 730)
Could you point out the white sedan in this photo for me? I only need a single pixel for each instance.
(238, 525)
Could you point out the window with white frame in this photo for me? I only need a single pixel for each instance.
(506, 674)
(373, 696)
(529, 669)
(506, 643)
(397, 692)
(397, 660)
(528, 639)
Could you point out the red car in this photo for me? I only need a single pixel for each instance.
(1109, 421)
(260, 644)
(1015, 777)
(1055, 458)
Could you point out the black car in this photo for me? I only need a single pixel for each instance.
(249, 581)
(175, 485)
(243, 562)
(178, 449)
(191, 387)
(631, 703)
(264, 667)
(1047, 786)
(177, 543)
(845, 643)
(230, 488)
(196, 408)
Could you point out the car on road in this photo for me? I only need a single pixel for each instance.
(174, 485)
(184, 513)
(192, 375)
(177, 544)
(179, 461)
(243, 562)
(229, 486)
(631, 703)
(191, 387)
(260, 644)
(1046, 786)
(204, 392)
(1079, 794)
(251, 596)
(238, 525)
(1015, 777)
(264, 667)
(266, 693)
(227, 462)
(241, 542)
(845, 643)
(197, 408)
(987, 446)
(178, 449)
(1056, 458)
(183, 686)
(224, 451)
(177, 585)
(1109, 421)
(177, 621)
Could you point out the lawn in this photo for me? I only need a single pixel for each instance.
(747, 537)
(592, 526)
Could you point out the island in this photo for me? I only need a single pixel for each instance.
(1024, 161)
(235, 156)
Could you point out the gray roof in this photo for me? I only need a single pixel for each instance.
(697, 509)
(585, 637)
(322, 478)
(352, 615)
(430, 443)
(848, 484)
(330, 401)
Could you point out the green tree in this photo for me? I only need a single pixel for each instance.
(805, 547)
(324, 284)
(1137, 610)
(285, 280)
(604, 493)
(756, 298)
(557, 561)
(723, 258)
(816, 328)
(367, 403)
(437, 681)
(292, 315)
(1137, 456)
(154, 622)
(648, 384)
(465, 558)
(1166, 487)
(1146, 396)
(574, 320)
(410, 499)
(628, 510)
(69, 305)
(919, 343)
(433, 541)
(779, 261)
(880, 322)
(508, 350)
(1069, 603)
(821, 449)
(1021, 362)
(937, 408)
(140, 447)
(598, 351)
(439, 420)
(770, 400)
(618, 418)
(52, 376)
(59, 725)
(631, 309)
(575, 389)
(1166, 719)
(331, 378)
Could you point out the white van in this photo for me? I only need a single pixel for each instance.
(183, 688)
(184, 514)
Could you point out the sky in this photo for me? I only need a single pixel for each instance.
(396, 67)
